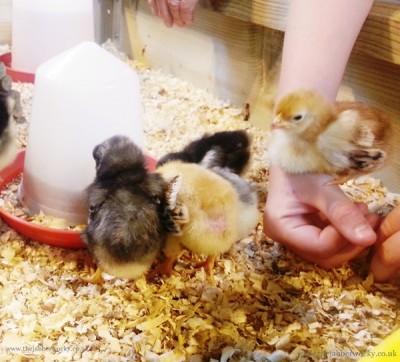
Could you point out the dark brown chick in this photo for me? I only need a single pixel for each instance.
(125, 201)
(8, 147)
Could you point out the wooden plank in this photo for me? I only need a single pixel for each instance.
(268, 13)
(377, 81)
(380, 35)
(217, 53)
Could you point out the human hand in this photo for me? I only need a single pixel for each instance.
(317, 222)
(385, 263)
(178, 12)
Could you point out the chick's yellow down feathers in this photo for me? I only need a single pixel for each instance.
(212, 206)
(310, 134)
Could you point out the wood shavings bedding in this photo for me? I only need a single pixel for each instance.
(264, 301)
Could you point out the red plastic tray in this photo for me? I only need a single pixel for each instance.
(16, 75)
(61, 238)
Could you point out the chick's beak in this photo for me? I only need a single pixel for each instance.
(277, 122)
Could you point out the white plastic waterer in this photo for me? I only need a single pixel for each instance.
(81, 97)
(42, 29)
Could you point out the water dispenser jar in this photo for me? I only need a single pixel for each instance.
(81, 97)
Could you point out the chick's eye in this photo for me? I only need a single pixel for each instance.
(298, 117)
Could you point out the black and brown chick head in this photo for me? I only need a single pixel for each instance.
(116, 154)
(303, 110)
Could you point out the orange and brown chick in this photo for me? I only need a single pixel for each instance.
(311, 134)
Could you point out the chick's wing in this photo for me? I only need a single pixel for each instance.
(358, 141)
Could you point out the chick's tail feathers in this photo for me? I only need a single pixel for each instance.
(368, 159)
(360, 162)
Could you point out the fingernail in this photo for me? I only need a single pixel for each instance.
(365, 233)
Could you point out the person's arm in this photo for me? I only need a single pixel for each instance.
(318, 222)
(319, 38)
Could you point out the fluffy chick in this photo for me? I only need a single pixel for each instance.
(214, 219)
(8, 147)
(124, 231)
(231, 149)
(310, 134)
(248, 200)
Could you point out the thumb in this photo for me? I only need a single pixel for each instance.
(349, 219)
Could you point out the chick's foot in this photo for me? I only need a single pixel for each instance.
(207, 264)
(164, 268)
(95, 278)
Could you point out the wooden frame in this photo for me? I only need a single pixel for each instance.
(235, 53)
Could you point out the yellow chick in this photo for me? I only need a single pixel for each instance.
(310, 134)
(215, 217)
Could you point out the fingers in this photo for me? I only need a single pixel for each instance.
(325, 247)
(348, 218)
(178, 12)
(320, 223)
(161, 9)
(348, 252)
(165, 13)
(310, 231)
(174, 7)
(313, 237)
(301, 234)
(187, 8)
(385, 263)
(390, 225)
(153, 7)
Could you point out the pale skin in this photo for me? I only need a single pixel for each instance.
(320, 37)
(385, 263)
(174, 12)
(317, 222)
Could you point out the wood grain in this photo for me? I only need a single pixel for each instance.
(217, 53)
(380, 35)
